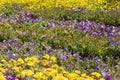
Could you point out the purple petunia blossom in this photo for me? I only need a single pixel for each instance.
(31, 43)
(10, 54)
(63, 56)
(20, 47)
(8, 77)
(108, 77)
(5, 50)
(47, 66)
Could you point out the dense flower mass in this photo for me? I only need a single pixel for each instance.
(59, 40)
(36, 4)
(50, 64)
(45, 69)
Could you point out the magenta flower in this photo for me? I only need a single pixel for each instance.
(108, 77)
(47, 66)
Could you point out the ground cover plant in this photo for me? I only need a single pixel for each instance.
(76, 42)
(102, 10)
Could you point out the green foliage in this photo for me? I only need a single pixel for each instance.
(64, 37)
(108, 17)
(111, 17)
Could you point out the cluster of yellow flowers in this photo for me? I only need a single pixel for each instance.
(36, 4)
(44, 69)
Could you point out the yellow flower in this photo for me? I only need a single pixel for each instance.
(26, 72)
(9, 65)
(16, 69)
(83, 75)
(82, 78)
(55, 66)
(93, 76)
(34, 59)
(4, 61)
(38, 75)
(20, 61)
(34, 4)
(1, 65)
(13, 61)
(102, 79)
(89, 78)
(2, 70)
(96, 74)
(65, 72)
(2, 77)
(72, 76)
(46, 56)
(77, 72)
(52, 72)
(28, 59)
(44, 62)
(53, 58)
(60, 77)
(30, 63)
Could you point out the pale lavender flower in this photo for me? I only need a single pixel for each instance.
(31, 43)
(103, 73)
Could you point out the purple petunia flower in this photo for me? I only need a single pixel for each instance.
(10, 54)
(47, 66)
(19, 21)
(8, 77)
(110, 39)
(20, 47)
(31, 43)
(49, 49)
(5, 50)
(63, 56)
(109, 69)
(31, 49)
(28, 67)
(108, 77)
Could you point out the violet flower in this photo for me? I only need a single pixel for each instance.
(8, 77)
(31, 43)
(47, 66)
(108, 77)
(10, 54)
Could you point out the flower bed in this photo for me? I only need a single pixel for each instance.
(72, 47)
